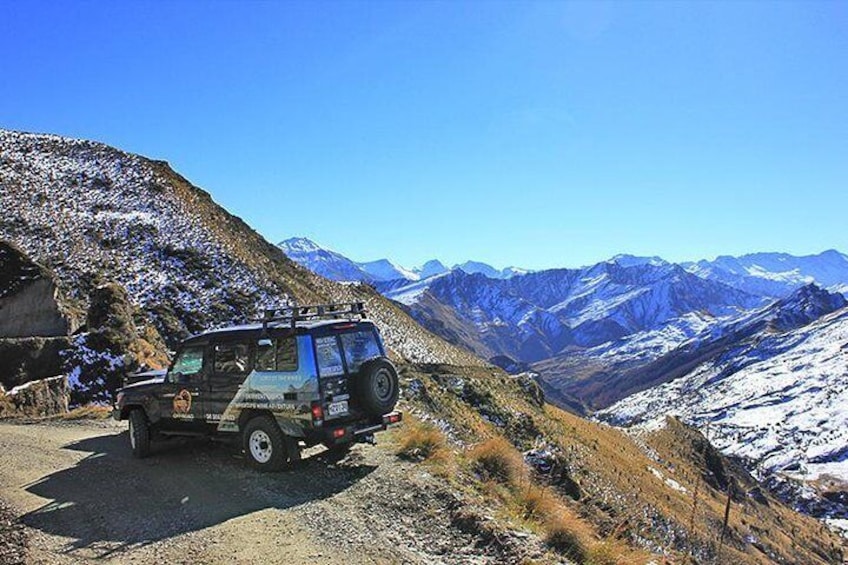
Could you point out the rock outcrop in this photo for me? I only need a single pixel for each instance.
(45, 397)
(30, 302)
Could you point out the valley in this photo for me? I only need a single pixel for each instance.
(110, 259)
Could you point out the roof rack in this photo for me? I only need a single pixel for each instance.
(295, 313)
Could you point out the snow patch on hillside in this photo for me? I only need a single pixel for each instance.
(780, 401)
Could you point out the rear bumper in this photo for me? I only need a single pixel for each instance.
(360, 431)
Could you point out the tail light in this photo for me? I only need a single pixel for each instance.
(393, 418)
(338, 433)
(317, 413)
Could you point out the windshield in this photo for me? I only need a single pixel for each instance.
(189, 363)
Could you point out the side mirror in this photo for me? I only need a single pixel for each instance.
(176, 377)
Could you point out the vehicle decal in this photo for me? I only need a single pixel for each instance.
(275, 391)
(182, 403)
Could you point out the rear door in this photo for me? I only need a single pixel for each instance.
(231, 363)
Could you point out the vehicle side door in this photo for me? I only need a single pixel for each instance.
(181, 401)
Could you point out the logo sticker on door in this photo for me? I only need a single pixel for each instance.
(182, 403)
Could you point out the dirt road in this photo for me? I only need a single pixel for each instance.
(81, 496)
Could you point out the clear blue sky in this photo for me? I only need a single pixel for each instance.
(531, 134)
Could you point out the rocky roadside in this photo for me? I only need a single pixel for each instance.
(13, 538)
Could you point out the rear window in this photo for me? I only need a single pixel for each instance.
(329, 356)
(358, 348)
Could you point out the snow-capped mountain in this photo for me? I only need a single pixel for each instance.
(604, 374)
(385, 270)
(336, 267)
(322, 261)
(92, 214)
(773, 390)
(431, 268)
(776, 274)
(476, 267)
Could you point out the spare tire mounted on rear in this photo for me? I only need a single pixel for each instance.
(377, 385)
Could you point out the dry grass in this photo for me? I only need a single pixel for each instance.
(418, 440)
(506, 476)
(88, 412)
(496, 459)
(424, 442)
(569, 535)
(537, 503)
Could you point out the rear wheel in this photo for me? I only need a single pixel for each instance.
(139, 434)
(266, 446)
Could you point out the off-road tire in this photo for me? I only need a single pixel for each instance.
(377, 387)
(266, 446)
(139, 433)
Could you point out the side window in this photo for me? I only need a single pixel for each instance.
(329, 356)
(359, 347)
(188, 364)
(232, 358)
(277, 355)
(287, 354)
(265, 355)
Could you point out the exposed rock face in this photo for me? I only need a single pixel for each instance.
(29, 298)
(30, 358)
(46, 397)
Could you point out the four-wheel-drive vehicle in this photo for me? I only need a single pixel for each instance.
(305, 375)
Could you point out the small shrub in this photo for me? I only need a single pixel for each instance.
(498, 460)
(420, 441)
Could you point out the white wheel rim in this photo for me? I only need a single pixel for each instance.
(132, 435)
(260, 446)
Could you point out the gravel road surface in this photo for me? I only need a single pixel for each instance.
(71, 492)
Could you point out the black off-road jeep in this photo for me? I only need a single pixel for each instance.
(305, 375)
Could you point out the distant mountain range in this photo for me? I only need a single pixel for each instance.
(776, 274)
(551, 314)
(335, 266)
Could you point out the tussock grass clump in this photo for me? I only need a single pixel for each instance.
(537, 503)
(419, 441)
(496, 459)
(569, 535)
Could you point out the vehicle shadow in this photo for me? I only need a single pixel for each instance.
(110, 501)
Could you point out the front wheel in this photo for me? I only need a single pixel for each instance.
(139, 434)
(266, 446)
